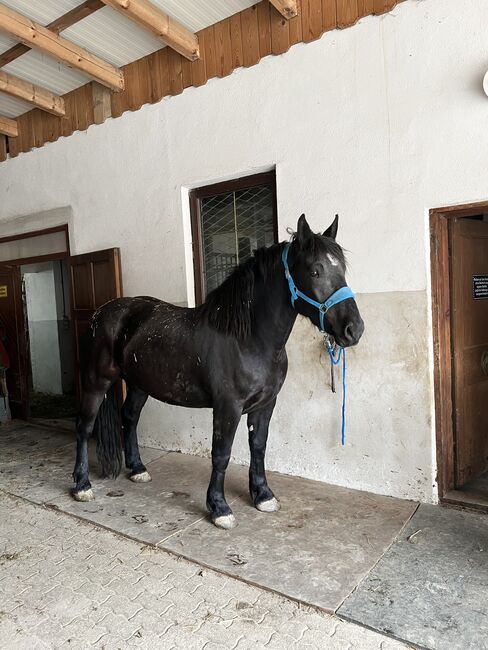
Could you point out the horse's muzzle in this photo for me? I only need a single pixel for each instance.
(351, 334)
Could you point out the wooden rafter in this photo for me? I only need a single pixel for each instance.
(63, 22)
(39, 37)
(8, 127)
(287, 8)
(39, 97)
(168, 30)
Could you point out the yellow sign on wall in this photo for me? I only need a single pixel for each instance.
(3, 290)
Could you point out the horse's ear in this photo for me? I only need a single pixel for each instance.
(304, 234)
(332, 229)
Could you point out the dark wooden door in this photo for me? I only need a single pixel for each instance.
(96, 278)
(469, 320)
(12, 320)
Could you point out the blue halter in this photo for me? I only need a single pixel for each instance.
(338, 296)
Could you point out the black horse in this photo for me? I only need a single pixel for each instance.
(227, 354)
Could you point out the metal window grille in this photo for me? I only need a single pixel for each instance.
(232, 224)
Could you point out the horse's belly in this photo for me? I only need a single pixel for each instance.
(182, 387)
(191, 397)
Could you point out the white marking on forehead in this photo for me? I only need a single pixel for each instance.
(333, 260)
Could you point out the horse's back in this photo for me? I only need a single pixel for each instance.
(117, 322)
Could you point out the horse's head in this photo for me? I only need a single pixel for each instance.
(318, 267)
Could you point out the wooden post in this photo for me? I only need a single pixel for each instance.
(102, 104)
(3, 148)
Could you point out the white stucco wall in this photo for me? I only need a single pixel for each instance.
(379, 122)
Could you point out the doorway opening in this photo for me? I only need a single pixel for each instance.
(49, 335)
(47, 299)
(459, 265)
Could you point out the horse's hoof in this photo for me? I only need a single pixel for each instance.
(271, 505)
(83, 495)
(142, 477)
(227, 522)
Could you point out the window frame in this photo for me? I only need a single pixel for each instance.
(267, 179)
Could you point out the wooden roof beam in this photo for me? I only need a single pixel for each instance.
(63, 22)
(74, 56)
(287, 8)
(35, 95)
(152, 19)
(8, 127)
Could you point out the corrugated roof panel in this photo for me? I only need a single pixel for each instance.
(11, 107)
(112, 37)
(105, 33)
(45, 71)
(42, 11)
(6, 42)
(197, 14)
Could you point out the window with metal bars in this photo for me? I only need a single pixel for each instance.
(229, 221)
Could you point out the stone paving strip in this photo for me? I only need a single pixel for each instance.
(66, 583)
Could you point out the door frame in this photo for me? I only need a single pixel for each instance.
(441, 328)
(50, 257)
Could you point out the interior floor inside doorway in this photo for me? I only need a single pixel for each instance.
(474, 494)
(45, 405)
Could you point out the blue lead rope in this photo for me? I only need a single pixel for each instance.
(335, 361)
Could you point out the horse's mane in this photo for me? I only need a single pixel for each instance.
(229, 307)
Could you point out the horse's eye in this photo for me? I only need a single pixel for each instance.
(314, 274)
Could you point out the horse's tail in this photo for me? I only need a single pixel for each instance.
(108, 431)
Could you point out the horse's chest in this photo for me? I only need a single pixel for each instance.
(264, 384)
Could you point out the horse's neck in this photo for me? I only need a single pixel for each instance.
(273, 314)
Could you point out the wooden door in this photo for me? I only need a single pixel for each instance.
(96, 278)
(469, 322)
(12, 320)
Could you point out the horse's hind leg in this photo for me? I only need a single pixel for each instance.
(131, 411)
(225, 420)
(258, 424)
(90, 404)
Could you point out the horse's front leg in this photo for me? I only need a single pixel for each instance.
(258, 425)
(225, 420)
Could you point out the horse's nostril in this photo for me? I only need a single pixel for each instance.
(349, 332)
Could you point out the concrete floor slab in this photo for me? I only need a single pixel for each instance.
(152, 512)
(322, 542)
(431, 586)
